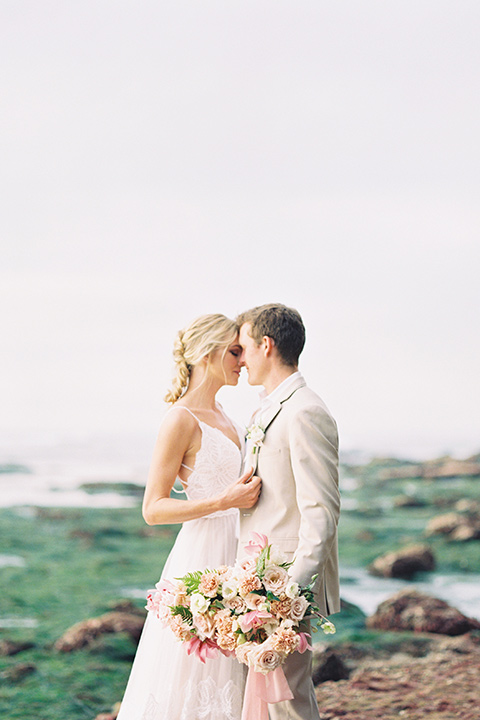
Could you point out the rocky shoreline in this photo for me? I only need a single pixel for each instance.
(422, 661)
(441, 685)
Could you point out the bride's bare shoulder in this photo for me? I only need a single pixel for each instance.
(178, 420)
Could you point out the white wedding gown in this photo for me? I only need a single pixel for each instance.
(165, 683)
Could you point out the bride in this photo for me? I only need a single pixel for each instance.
(199, 445)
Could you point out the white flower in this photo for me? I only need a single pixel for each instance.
(328, 628)
(198, 603)
(277, 556)
(229, 589)
(256, 433)
(292, 590)
(270, 626)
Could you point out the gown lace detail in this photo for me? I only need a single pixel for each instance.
(165, 683)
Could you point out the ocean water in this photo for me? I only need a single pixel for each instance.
(57, 470)
(367, 592)
(59, 486)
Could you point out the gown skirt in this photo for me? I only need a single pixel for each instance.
(165, 682)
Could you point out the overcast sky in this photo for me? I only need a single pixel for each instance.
(161, 160)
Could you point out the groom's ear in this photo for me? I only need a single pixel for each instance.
(268, 345)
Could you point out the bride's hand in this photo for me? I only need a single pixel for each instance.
(244, 492)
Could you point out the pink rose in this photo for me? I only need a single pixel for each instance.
(248, 564)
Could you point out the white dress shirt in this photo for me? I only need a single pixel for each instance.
(266, 400)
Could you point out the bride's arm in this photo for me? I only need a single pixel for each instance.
(175, 439)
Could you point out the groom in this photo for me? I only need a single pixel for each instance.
(299, 504)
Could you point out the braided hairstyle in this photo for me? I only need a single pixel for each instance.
(193, 343)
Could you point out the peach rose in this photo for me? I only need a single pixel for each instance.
(264, 659)
(254, 601)
(204, 625)
(209, 584)
(243, 651)
(236, 603)
(275, 579)
(298, 608)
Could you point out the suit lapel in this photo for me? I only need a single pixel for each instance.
(270, 414)
(267, 417)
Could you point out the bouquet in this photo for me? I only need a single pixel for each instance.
(251, 610)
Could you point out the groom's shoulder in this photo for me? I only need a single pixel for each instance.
(308, 412)
(305, 399)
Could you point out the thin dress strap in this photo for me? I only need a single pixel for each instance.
(182, 407)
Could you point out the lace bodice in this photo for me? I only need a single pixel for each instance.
(217, 465)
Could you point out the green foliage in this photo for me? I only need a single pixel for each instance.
(184, 612)
(261, 561)
(192, 580)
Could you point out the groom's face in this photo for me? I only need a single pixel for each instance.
(253, 356)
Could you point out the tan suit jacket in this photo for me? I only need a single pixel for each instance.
(299, 504)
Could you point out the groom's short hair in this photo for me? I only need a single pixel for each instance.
(279, 322)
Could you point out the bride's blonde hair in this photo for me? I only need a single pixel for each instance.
(193, 343)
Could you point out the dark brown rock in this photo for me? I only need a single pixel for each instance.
(16, 673)
(404, 563)
(328, 665)
(408, 501)
(84, 633)
(9, 647)
(415, 611)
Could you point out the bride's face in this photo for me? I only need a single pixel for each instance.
(225, 364)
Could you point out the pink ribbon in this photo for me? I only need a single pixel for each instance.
(263, 689)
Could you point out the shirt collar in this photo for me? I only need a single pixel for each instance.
(268, 399)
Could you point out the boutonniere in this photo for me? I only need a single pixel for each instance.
(256, 433)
